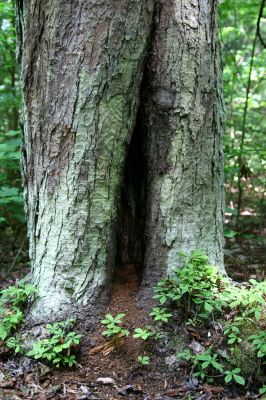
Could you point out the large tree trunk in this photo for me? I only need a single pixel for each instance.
(82, 69)
(83, 64)
(183, 115)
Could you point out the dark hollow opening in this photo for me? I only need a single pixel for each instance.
(131, 216)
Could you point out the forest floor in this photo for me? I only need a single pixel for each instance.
(118, 375)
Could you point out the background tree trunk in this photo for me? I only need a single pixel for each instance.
(83, 64)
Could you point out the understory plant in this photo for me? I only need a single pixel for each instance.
(204, 298)
(143, 360)
(115, 331)
(113, 328)
(13, 301)
(60, 347)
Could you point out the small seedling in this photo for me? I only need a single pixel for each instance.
(259, 342)
(160, 314)
(113, 327)
(12, 301)
(233, 333)
(143, 334)
(205, 363)
(234, 376)
(15, 344)
(17, 295)
(143, 360)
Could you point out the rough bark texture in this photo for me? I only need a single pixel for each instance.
(83, 63)
(183, 114)
(82, 69)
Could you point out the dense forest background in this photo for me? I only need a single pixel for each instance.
(243, 37)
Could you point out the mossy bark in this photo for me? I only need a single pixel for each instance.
(83, 63)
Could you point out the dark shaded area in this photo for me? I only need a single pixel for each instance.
(132, 213)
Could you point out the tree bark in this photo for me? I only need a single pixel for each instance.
(83, 64)
(82, 69)
(183, 115)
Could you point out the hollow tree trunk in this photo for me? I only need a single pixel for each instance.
(83, 63)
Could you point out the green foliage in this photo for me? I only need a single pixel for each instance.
(234, 376)
(244, 91)
(17, 295)
(259, 342)
(143, 360)
(207, 364)
(15, 344)
(262, 390)
(233, 333)
(10, 319)
(11, 202)
(12, 301)
(229, 233)
(194, 287)
(60, 347)
(113, 328)
(143, 334)
(199, 292)
(160, 314)
(204, 365)
(250, 301)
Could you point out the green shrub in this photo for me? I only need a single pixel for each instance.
(12, 302)
(203, 295)
(60, 347)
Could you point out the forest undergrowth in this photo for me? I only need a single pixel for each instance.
(203, 339)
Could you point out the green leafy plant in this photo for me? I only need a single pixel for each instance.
(12, 301)
(229, 233)
(262, 390)
(143, 360)
(203, 364)
(143, 334)
(17, 295)
(10, 320)
(234, 376)
(60, 347)
(194, 287)
(11, 199)
(259, 342)
(160, 314)
(233, 334)
(112, 324)
(208, 360)
(202, 294)
(15, 344)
